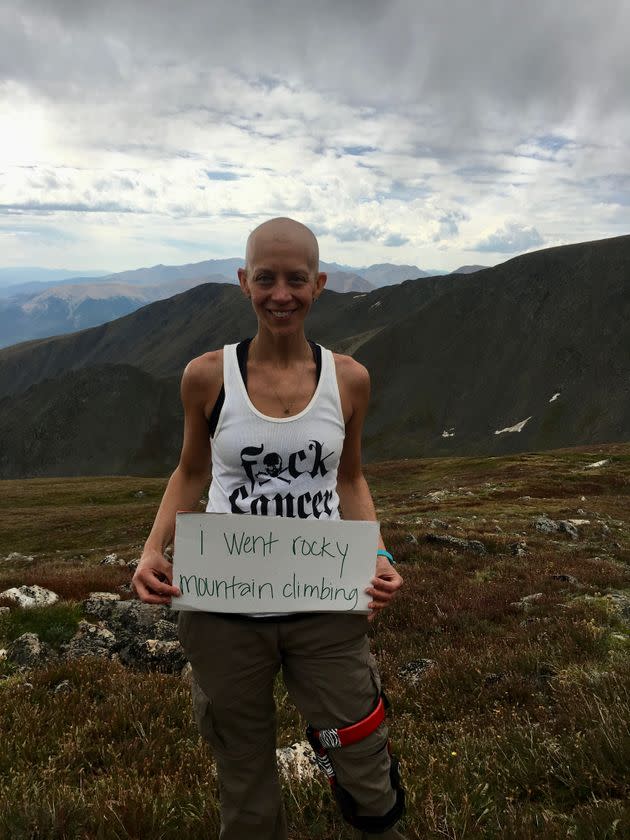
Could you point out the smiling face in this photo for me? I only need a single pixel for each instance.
(282, 278)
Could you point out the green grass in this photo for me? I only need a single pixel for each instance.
(521, 730)
(54, 625)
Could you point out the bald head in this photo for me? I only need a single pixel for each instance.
(283, 232)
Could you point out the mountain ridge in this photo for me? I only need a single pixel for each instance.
(455, 360)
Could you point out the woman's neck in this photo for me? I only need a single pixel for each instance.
(282, 350)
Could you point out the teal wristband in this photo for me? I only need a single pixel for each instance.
(382, 553)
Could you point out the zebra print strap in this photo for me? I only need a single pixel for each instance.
(346, 735)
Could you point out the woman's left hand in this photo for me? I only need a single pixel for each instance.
(385, 584)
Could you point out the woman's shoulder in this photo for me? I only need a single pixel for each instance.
(204, 371)
(350, 373)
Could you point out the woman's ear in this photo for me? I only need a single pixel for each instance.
(320, 282)
(242, 279)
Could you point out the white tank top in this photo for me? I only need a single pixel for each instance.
(277, 466)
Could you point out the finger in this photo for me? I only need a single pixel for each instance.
(379, 605)
(395, 582)
(151, 585)
(148, 597)
(379, 593)
(385, 585)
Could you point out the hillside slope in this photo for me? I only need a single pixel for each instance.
(458, 362)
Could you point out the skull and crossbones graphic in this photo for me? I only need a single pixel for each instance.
(273, 469)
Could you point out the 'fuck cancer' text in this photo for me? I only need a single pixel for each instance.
(270, 469)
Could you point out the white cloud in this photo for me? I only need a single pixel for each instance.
(407, 131)
(512, 238)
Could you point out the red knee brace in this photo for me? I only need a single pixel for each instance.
(323, 739)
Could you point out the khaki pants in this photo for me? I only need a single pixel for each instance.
(330, 676)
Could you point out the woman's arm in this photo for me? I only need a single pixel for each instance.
(154, 576)
(355, 499)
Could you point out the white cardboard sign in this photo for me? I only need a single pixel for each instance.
(224, 562)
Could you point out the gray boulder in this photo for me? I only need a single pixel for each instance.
(30, 596)
(457, 542)
(568, 528)
(154, 655)
(113, 560)
(519, 549)
(28, 651)
(297, 761)
(90, 640)
(165, 631)
(138, 635)
(16, 557)
(545, 525)
(138, 619)
(100, 604)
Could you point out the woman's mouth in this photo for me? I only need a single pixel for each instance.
(281, 314)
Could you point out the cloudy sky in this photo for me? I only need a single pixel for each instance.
(434, 132)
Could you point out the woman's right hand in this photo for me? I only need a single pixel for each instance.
(153, 579)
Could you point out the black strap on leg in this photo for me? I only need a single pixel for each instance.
(373, 824)
(347, 805)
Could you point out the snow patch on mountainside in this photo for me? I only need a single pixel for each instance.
(518, 427)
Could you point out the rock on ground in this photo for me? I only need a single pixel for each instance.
(297, 761)
(412, 672)
(519, 549)
(29, 652)
(113, 560)
(545, 525)
(142, 636)
(137, 618)
(154, 655)
(457, 542)
(527, 601)
(30, 596)
(164, 631)
(568, 528)
(90, 640)
(620, 602)
(100, 604)
(596, 464)
(16, 557)
(565, 578)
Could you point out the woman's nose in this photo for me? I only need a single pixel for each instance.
(281, 291)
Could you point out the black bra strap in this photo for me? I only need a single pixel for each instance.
(242, 351)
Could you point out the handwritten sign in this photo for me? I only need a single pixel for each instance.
(266, 564)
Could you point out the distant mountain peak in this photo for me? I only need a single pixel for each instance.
(469, 269)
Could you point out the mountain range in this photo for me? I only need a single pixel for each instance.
(531, 354)
(37, 309)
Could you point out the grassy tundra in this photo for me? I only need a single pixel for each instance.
(520, 728)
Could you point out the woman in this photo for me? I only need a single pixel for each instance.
(285, 418)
